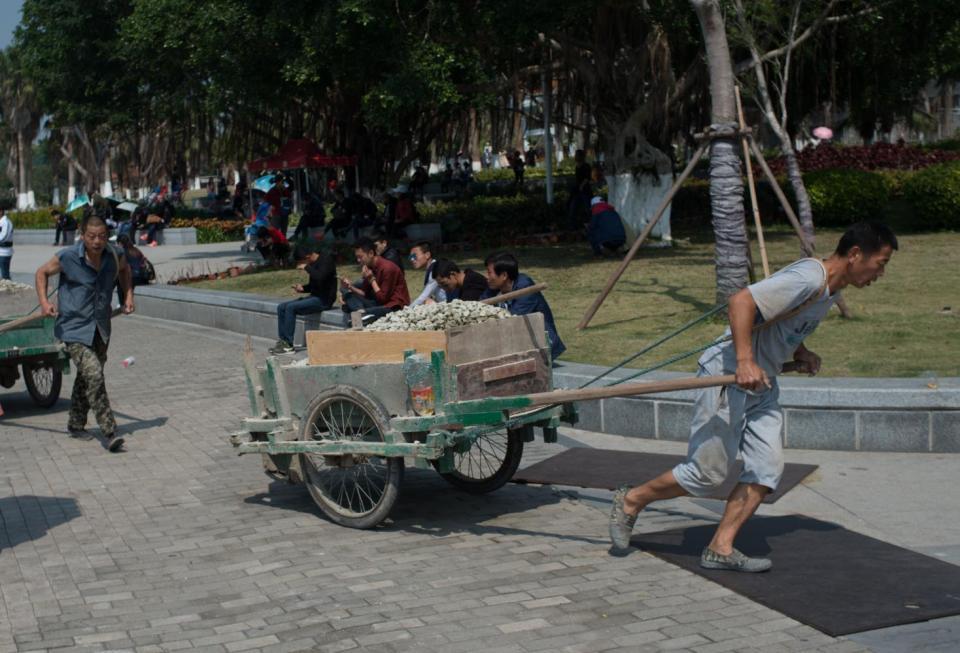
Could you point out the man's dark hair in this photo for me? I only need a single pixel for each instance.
(366, 244)
(423, 246)
(92, 220)
(870, 237)
(378, 236)
(263, 232)
(504, 262)
(444, 268)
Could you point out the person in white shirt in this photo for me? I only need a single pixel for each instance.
(6, 244)
(422, 259)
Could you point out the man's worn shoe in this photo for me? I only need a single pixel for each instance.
(736, 561)
(621, 524)
(78, 432)
(114, 443)
(282, 347)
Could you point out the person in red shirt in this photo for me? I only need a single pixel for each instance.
(279, 215)
(384, 288)
(272, 245)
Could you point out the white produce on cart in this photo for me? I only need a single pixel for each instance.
(437, 317)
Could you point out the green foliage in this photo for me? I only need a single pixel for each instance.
(495, 218)
(36, 219)
(842, 197)
(934, 194)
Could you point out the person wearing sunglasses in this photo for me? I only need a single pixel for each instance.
(421, 258)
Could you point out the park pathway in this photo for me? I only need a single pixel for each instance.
(180, 544)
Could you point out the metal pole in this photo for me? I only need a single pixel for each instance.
(547, 135)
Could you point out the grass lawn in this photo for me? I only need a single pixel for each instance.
(901, 324)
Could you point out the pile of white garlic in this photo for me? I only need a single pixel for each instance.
(437, 317)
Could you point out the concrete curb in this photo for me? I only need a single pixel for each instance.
(169, 236)
(842, 414)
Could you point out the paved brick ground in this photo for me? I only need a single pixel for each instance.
(178, 544)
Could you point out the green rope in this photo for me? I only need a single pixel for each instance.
(692, 323)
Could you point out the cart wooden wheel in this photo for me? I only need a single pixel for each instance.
(491, 462)
(353, 490)
(43, 380)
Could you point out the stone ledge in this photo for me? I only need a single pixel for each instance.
(169, 236)
(846, 414)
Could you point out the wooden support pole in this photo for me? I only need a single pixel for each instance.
(753, 188)
(805, 245)
(20, 322)
(611, 282)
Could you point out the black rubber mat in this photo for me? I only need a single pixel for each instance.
(823, 575)
(607, 469)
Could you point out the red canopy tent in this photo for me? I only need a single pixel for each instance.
(301, 153)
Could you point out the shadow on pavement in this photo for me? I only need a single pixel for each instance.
(26, 518)
(428, 505)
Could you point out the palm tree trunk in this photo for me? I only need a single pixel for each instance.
(726, 182)
(22, 154)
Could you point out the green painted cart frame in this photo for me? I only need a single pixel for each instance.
(32, 348)
(346, 430)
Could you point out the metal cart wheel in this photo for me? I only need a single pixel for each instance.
(43, 379)
(352, 490)
(489, 464)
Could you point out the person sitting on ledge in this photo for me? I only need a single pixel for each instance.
(746, 418)
(384, 288)
(466, 285)
(321, 292)
(503, 276)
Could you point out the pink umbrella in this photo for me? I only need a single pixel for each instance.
(823, 133)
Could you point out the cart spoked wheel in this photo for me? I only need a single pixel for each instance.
(43, 381)
(353, 490)
(489, 464)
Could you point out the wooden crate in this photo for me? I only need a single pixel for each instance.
(491, 339)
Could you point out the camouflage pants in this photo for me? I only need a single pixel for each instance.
(89, 388)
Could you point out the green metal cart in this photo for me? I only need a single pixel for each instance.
(29, 346)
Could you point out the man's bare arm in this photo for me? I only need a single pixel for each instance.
(44, 272)
(742, 310)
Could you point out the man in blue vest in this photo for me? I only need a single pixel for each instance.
(503, 276)
(88, 271)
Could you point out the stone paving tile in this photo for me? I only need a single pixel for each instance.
(178, 544)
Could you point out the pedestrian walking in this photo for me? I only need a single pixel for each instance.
(6, 244)
(88, 272)
(769, 321)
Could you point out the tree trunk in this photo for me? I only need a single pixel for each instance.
(804, 210)
(726, 182)
(23, 147)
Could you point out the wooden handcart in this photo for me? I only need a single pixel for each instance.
(345, 423)
(27, 345)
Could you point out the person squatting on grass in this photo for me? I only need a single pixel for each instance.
(88, 272)
(769, 321)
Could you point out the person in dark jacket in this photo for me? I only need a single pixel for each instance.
(605, 232)
(503, 276)
(321, 292)
(311, 222)
(466, 285)
(384, 250)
